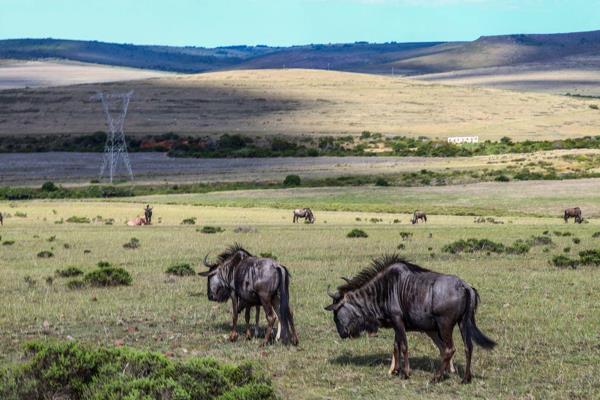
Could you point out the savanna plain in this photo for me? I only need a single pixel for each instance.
(544, 318)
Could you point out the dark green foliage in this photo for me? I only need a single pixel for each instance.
(52, 238)
(133, 243)
(189, 221)
(576, 240)
(78, 220)
(502, 178)
(406, 235)
(518, 247)
(268, 255)
(211, 229)
(540, 241)
(68, 272)
(381, 182)
(401, 246)
(183, 269)
(596, 234)
(45, 254)
(108, 277)
(559, 233)
(103, 264)
(292, 180)
(49, 187)
(75, 284)
(357, 233)
(480, 245)
(567, 250)
(77, 372)
(564, 262)
(8, 243)
(590, 257)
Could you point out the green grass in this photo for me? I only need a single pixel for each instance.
(544, 318)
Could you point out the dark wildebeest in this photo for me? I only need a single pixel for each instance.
(418, 215)
(305, 213)
(251, 281)
(393, 293)
(148, 214)
(573, 213)
(1, 219)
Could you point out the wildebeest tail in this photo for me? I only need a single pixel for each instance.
(284, 304)
(469, 320)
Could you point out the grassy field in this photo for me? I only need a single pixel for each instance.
(545, 319)
(302, 102)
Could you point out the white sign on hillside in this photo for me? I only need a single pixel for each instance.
(463, 139)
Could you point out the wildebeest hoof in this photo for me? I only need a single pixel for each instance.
(233, 336)
(466, 380)
(437, 379)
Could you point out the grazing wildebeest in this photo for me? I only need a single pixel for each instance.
(573, 213)
(148, 214)
(418, 215)
(305, 213)
(251, 281)
(1, 219)
(393, 293)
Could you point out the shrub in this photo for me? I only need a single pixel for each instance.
(78, 220)
(103, 264)
(540, 241)
(576, 240)
(502, 178)
(52, 369)
(189, 221)
(66, 246)
(590, 257)
(134, 243)
(518, 247)
(292, 180)
(401, 246)
(8, 243)
(381, 182)
(108, 277)
(473, 245)
(596, 234)
(564, 261)
(45, 254)
(268, 255)
(406, 235)
(75, 284)
(180, 270)
(69, 272)
(20, 214)
(49, 187)
(357, 233)
(567, 250)
(211, 229)
(52, 238)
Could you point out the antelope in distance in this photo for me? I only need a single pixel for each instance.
(574, 213)
(305, 213)
(418, 215)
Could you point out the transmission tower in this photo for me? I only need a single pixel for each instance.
(115, 149)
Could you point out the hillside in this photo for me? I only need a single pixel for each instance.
(301, 102)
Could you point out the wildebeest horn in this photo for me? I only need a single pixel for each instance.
(332, 295)
(347, 280)
(205, 262)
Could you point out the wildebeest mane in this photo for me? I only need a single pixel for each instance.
(377, 266)
(230, 251)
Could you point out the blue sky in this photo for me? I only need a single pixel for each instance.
(287, 22)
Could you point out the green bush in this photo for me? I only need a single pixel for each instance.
(189, 221)
(69, 370)
(576, 240)
(8, 243)
(45, 254)
(108, 277)
(590, 257)
(180, 270)
(268, 255)
(381, 182)
(564, 262)
(518, 247)
(133, 243)
(502, 178)
(211, 229)
(596, 234)
(49, 187)
(292, 180)
(540, 241)
(78, 220)
(406, 235)
(68, 272)
(75, 284)
(472, 246)
(357, 233)
(103, 264)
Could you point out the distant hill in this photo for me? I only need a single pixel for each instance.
(573, 50)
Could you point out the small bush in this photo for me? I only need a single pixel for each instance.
(559, 233)
(518, 247)
(103, 264)
(75, 284)
(8, 243)
(66, 246)
(49, 187)
(180, 270)
(78, 220)
(502, 178)
(69, 370)
(381, 182)
(472, 246)
(109, 221)
(68, 272)
(540, 241)
(406, 235)
(211, 229)
(292, 180)
(108, 277)
(397, 221)
(576, 240)
(189, 221)
(45, 254)
(268, 255)
(564, 261)
(20, 214)
(596, 234)
(134, 243)
(590, 257)
(567, 250)
(357, 233)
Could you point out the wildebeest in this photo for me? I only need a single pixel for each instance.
(393, 293)
(252, 281)
(575, 213)
(1, 219)
(305, 213)
(418, 215)
(148, 214)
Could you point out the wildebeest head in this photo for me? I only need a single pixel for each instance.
(349, 321)
(217, 288)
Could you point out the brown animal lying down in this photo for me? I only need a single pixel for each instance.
(137, 221)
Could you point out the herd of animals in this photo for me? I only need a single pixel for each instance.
(390, 293)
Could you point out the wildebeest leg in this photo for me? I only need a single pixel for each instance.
(257, 321)
(395, 365)
(445, 332)
(234, 335)
(402, 344)
(293, 329)
(271, 318)
(440, 345)
(466, 337)
(247, 317)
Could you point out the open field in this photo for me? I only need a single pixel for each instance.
(20, 74)
(301, 102)
(544, 318)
